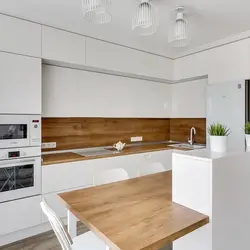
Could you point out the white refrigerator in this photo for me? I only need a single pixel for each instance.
(226, 105)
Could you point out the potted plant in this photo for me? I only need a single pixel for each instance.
(218, 137)
(247, 133)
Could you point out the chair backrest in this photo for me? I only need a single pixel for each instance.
(57, 226)
(152, 168)
(112, 175)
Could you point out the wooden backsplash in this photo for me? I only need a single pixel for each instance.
(72, 133)
(180, 129)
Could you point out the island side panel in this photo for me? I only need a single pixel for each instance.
(192, 188)
(231, 202)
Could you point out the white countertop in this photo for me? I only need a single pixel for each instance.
(206, 154)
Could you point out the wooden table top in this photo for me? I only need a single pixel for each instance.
(134, 214)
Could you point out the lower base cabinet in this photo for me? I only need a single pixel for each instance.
(78, 175)
(20, 214)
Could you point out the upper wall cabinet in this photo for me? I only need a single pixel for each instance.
(59, 92)
(189, 99)
(21, 37)
(114, 57)
(20, 82)
(63, 46)
(76, 93)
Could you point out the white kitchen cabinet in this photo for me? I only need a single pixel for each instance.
(69, 93)
(230, 62)
(20, 214)
(114, 57)
(101, 95)
(59, 92)
(189, 99)
(63, 46)
(20, 82)
(78, 174)
(19, 36)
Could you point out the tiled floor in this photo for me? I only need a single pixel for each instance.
(46, 241)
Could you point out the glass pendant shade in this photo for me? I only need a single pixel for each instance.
(179, 36)
(144, 21)
(95, 11)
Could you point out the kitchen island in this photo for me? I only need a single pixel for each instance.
(215, 184)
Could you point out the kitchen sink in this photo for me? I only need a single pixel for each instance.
(187, 146)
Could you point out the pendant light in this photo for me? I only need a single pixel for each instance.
(179, 34)
(145, 21)
(95, 11)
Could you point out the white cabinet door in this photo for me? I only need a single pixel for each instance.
(189, 99)
(20, 82)
(63, 46)
(65, 176)
(101, 95)
(20, 214)
(19, 36)
(164, 157)
(59, 92)
(114, 57)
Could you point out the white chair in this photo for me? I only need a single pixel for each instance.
(109, 176)
(153, 168)
(86, 241)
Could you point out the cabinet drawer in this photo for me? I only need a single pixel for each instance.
(20, 214)
(66, 176)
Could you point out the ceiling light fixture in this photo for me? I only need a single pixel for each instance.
(179, 34)
(96, 11)
(145, 21)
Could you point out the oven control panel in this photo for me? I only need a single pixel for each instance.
(35, 131)
(16, 153)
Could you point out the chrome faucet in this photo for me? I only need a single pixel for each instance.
(191, 140)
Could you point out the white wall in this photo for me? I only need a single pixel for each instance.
(221, 64)
(189, 99)
(69, 92)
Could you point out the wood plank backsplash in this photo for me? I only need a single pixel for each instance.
(180, 129)
(72, 133)
(76, 132)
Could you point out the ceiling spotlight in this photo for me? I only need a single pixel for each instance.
(95, 11)
(145, 20)
(179, 34)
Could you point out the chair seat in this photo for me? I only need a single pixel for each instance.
(88, 241)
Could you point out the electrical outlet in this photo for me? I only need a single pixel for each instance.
(137, 138)
(49, 145)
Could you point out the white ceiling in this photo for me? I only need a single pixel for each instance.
(209, 20)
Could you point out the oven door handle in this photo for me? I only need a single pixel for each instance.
(11, 163)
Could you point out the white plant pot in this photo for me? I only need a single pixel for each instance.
(218, 143)
(247, 140)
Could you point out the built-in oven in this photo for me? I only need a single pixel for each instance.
(20, 131)
(20, 173)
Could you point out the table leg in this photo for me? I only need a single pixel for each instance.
(72, 227)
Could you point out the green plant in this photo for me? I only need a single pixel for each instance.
(247, 128)
(218, 129)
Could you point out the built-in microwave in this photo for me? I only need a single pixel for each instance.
(20, 131)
